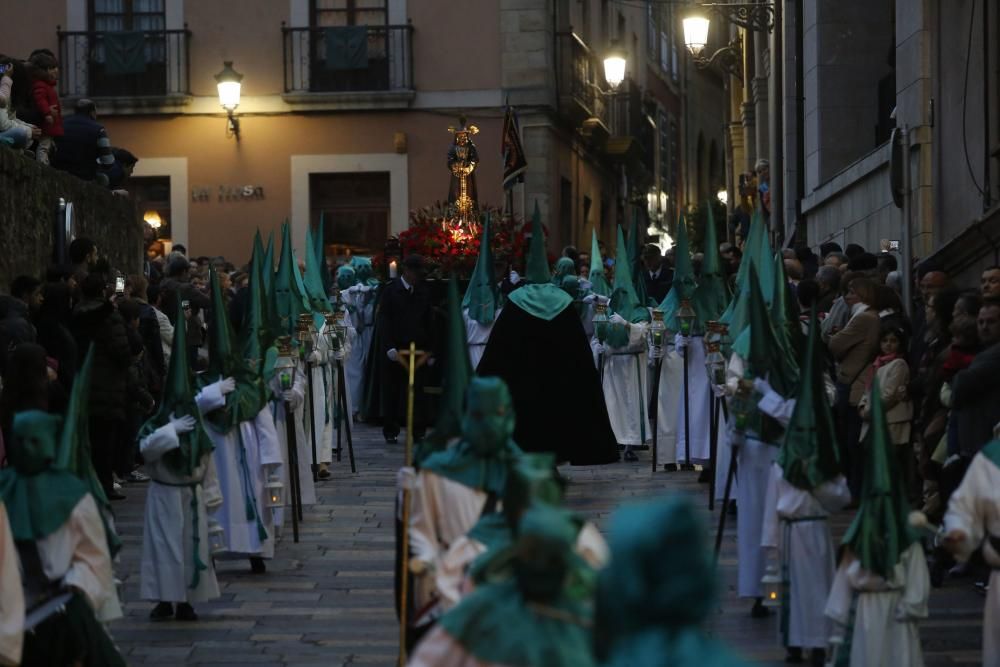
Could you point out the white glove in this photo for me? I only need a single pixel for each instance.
(514, 278)
(761, 386)
(681, 342)
(293, 399)
(719, 390)
(183, 424)
(406, 478)
(315, 357)
(227, 386)
(392, 354)
(617, 319)
(600, 348)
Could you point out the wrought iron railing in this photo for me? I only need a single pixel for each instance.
(144, 63)
(580, 76)
(367, 58)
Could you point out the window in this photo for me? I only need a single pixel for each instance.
(151, 195)
(355, 209)
(330, 13)
(350, 45)
(565, 211)
(122, 62)
(605, 22)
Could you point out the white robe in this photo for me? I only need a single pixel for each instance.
(168, 566)
(624, 385)
(277, 406)
(808, 552)
(974, 509)
(439, 649)
(235, 462)
(477, 335)
(362, 301)
(885, 621)
(12, 600)
(441, 512)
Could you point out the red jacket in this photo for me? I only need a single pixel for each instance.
(45, 97)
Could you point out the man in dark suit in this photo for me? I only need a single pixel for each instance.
(405, 317)
(659, 278)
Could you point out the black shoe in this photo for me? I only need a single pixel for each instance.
(817, 657)
(759, 610)
(670, 467)
(257, 565)
(161, 612)
(630, 456)
(705, 476)
(793, 656)
(185, 612)
(114, 495)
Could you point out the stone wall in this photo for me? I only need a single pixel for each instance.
(29, 202)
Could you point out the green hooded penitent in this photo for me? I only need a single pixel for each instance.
(657, 591)
(624, 301)
(809, 455)
(319, 302)
(289, 300)
(598, 280)
(38, 497)
(530, 619)
(635, 258)
(225, 360)
(539, 297)
(685, 283)
(318, 245)
(256, 338)
(457, 374)
(712, 295)
(178, 400)
(269, 264)
(482, 295)
(760, 346)
(363, 270)
(736, 314)
(482, 458)
(881, 531)
(565, 266)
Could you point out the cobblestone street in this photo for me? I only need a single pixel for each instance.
(328, 599)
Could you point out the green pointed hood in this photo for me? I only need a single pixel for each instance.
(255, 335)
(685, 283)
(319, 302)
(784, 311)
(225, 360)
(319, 247)
(624, 300)
(178, 399)
(258, 248)
(482, 295)
(761, 347)
(712, 295)
(39, 498)
(598, 279)
(736, 313)
(268, 264)
(537, 267)
(363, 270)
(809, 454)
(634, 247)
(289, 300)
(763, 260)
(457, 375)
(881, 531)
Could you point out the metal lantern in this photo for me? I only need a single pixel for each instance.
(600, 321)
(275, 492)
(336, 334)
(654, 334)
(685, 317)
(285, 364)
(216, 537)
(715, 364)
(771, 583)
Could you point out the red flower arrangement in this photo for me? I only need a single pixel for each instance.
(448, 245)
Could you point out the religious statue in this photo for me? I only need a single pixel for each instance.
(462, 161)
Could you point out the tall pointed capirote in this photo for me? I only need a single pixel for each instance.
(634, 246)
(289, 300)
(760, 346)
(457, 374)
(624, 300)
(685, 283)
(319, 247)
(809, 454)
(537, 267)
(711, 296)
(881, 531)
(269, 263)
(255, 332)
(598, 279)
(784, 311)
(482, 296)
(319, 303)
(736, 314)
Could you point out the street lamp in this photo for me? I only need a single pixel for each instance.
(614, 65)
(152, 218)
(695, 33)
(755, 16)
(229, 84)
(723, 196)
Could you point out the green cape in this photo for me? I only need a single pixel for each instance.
(684, 285)
(881, 531)
(458, 372)
(543, 300)
(598, 279)
(537, 266)
(38, 497)
(482, 295)
(224, 361)
(809, 455)
(178, 400)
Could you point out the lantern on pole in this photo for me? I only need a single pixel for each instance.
(275, 498)
(654, 335)
(685, 317)
(216, 537)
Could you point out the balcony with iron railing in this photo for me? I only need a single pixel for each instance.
(633, 132)
(581, 85)
(366, 66)
(126, 69)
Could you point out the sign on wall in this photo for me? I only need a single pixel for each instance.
(228, 193)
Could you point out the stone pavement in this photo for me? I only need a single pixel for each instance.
(328, 600)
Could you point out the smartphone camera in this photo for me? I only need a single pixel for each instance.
(120, 285)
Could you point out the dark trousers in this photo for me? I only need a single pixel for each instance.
(395, 382)
(126, 449)
(104, 434)
(852, 456)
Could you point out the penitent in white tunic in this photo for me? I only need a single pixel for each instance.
(303, 448)
(361, 298)
(974, 509)
(884, 629)
(625, 390)
(477, 336)
(175, 509)
(12, 600)
(320, 411)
